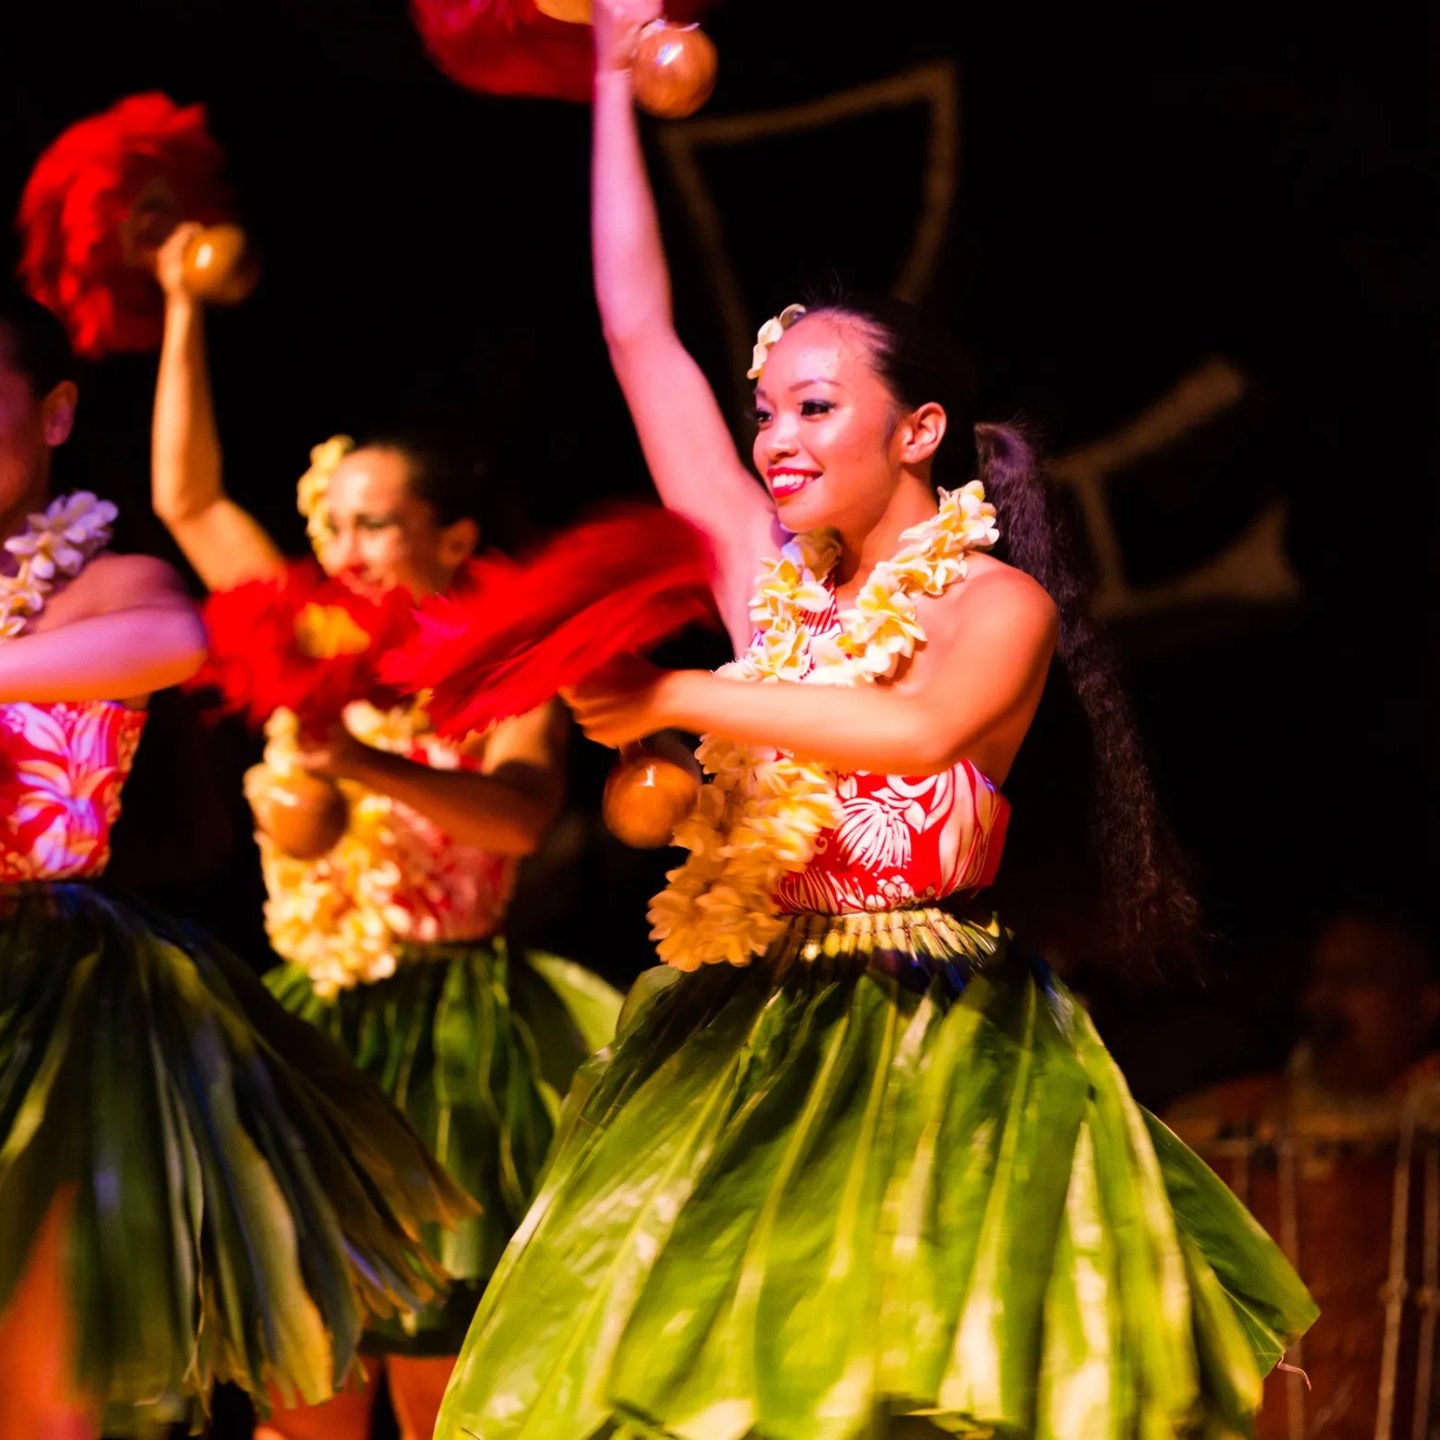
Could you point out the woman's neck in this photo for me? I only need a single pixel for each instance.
(911, 502)
(14, 518)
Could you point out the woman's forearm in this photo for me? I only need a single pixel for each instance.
(632, 281)
(223, 541)
(119, 656)
(884, 731)
(474, 809)
(185, 445)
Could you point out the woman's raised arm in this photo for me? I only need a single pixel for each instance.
(222, 540)
(682, 430)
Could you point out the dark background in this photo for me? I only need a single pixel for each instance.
(1133, 198)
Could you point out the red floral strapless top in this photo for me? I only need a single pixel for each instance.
(903, 839)
(62, 767)
(394, 870)
(450, 891)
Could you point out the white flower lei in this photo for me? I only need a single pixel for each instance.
(55, 544)
(758, 820)
(338, 916)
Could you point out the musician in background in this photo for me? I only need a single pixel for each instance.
(1338, 1156)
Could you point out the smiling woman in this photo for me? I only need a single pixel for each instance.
(857, 1163)
(397, 514)
(818, 416)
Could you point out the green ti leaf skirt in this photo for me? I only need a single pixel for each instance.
(243, 1201)
(887, 1182)
(477, 1047)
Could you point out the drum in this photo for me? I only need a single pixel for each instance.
(1351, 1192)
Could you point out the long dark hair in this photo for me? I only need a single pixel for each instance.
(1092, 870)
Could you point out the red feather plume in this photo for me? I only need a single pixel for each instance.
(511, 47)
(145, 164)
(263, 641)
(518, 632)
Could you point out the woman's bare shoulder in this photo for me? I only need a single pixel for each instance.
(112, 582)
(1001, 593)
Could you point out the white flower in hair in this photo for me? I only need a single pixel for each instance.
(311, 492)
(768, 335)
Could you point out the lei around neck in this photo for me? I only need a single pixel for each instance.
(759, 818)
(53, 547)
(341, 917)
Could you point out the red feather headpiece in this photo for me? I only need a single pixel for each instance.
(518, 632)
(303, 641)
(111, 183)
(512, 47)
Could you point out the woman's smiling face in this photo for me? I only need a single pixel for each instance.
(826, 427)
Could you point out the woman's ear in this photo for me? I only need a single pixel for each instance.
(57, 412)
(921, 432)
(459, 541)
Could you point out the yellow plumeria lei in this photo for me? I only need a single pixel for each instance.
(338, 916)
(310, 492)
(759, 818)
(54, 546)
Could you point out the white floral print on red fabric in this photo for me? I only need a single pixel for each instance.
(449, 890)
(394, 877)
(62, 767)
(902, 839)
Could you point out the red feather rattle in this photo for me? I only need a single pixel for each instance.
(521, 631)
(309, 644)
(544, 48)
(101, 201)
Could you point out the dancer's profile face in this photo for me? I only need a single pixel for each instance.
(826, 428)
(382, 534)
(31, 426)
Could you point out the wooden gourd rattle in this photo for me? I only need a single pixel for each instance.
(653, 786)
(673, 71)
(219, 268)
(304, 814)
(673, 68)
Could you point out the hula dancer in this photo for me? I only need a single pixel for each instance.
(857, 1164)
(194, 1185)
(391, 932)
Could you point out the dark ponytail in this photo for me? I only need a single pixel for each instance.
(1093, 867)
(1092, 872)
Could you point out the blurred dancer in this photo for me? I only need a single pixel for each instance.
(193, 1185)
(391, 937)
